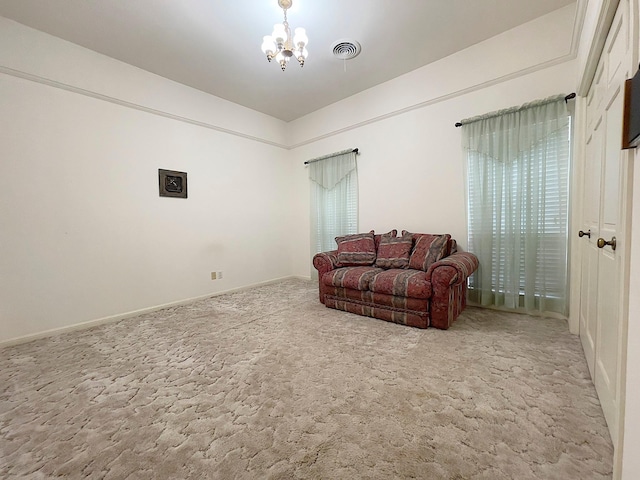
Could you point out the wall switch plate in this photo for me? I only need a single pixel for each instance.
(219, 274)
(214, 276)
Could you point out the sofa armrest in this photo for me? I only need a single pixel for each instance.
(457, 268)
(448, 279)
(325, 262)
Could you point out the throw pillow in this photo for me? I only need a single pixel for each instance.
(394, 252)
(427, 249)
(356, 249)
(453, 247)
(378, 237)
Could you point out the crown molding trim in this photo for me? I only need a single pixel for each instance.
(135, 106)
(124, 103)
(474, 88)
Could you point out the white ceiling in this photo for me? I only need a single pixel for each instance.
(214, 45)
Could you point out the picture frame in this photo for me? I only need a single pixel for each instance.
(172, 183)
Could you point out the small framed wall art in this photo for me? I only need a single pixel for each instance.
(172, 183)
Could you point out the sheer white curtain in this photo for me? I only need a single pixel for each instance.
(334, 199)
(518, 187)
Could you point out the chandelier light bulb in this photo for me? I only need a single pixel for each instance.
(280, 44)
(301, 55)
(300, 39)
(268, 47)
(279, 33)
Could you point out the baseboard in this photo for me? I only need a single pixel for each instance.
(122, 316)
(301, 277)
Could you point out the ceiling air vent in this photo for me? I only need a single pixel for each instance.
(346, 49)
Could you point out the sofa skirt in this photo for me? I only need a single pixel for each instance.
(413, 312)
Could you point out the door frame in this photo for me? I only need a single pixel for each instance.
(605, 16)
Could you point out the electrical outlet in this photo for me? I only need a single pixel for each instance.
(219, 274)
(214, 275)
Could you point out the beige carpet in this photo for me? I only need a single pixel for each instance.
(269, 383)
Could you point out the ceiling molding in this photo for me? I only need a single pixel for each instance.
(474, 88)
(124, 103)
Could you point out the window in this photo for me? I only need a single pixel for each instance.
(334, 199)
(518, 205)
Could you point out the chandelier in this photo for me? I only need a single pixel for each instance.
(280, 44)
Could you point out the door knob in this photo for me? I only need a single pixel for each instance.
(584, 234)
(602, 243)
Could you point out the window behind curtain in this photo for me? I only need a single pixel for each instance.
(518, 206)
(334, 199)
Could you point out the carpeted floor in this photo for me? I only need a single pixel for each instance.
(268, 383)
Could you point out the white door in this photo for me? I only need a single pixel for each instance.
(602, 323)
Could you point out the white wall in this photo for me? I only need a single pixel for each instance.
(84, 233)
(410, 169)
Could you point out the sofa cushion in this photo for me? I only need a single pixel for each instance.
(401, 283)
(356, 278)
(377, 237)
(356, 249)
(394, 252)
(427, 249)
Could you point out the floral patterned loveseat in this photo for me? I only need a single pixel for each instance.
(415, 279)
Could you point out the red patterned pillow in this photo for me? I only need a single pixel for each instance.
(394, 252)
(378, 237)
(427, 249)
(356, 249)
(453, 247)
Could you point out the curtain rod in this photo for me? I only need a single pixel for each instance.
(566, 100)
(354, 150)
